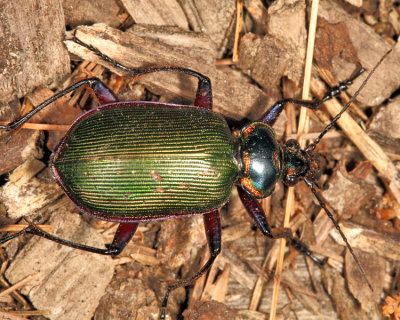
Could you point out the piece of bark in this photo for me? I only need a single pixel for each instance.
(210, 310)
(128, 297)
(24, 194)
(87, 12)
(369, 48)
(281, 51)
(287, 22)
(333, 42)
(365, 239)
(22, 145)
(354, 193)
(259, 14)
(345, 304)
(32, 53)
(179, 242)
(231, 96)
(384, 127)
(215, 18)
(193, 44)
(156, 12)
(70, 282)
(375, 269)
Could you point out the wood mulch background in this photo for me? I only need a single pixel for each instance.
(37, 58)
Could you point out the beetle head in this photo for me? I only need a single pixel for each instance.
(299, 164)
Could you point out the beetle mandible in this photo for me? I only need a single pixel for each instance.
(107, 160)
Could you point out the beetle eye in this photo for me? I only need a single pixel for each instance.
(291, 180)
(292, 143)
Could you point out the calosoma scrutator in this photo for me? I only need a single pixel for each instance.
(131, 162)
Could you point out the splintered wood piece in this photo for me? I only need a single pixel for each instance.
(232, 95)
(24, 31)
(169, 13)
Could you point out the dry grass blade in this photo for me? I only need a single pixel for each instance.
(19, 227)
(41, 126)
(6, 315)
(303, 127)
(238, 30)
(19, 284)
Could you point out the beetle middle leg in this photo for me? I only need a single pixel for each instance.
(212, 225)
(102, 92)
(257, 213)
(203, 94)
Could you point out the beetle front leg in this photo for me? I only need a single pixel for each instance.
(122, 236)
(212, 225)
(257, 213)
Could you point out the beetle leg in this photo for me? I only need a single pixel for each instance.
(203, 94)
(103, 93)
(257, 213)
(122, 236)
(124, 233)
(273, 113)
(212, 224)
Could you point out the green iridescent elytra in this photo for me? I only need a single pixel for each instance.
(144, 161)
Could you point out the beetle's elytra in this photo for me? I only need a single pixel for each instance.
(146, 161)
(131, 162)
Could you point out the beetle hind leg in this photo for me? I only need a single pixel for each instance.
(212, 224)
(122, 236)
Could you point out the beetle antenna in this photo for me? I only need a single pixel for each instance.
(322, 204)
(312, 145)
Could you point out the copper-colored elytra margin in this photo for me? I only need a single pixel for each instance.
(248, 130)
(249, 186)
(246, 162)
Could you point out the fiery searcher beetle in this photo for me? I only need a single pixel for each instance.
(131, 162)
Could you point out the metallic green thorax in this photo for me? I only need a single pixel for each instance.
(145, 160)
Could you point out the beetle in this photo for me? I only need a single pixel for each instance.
(137, 161)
